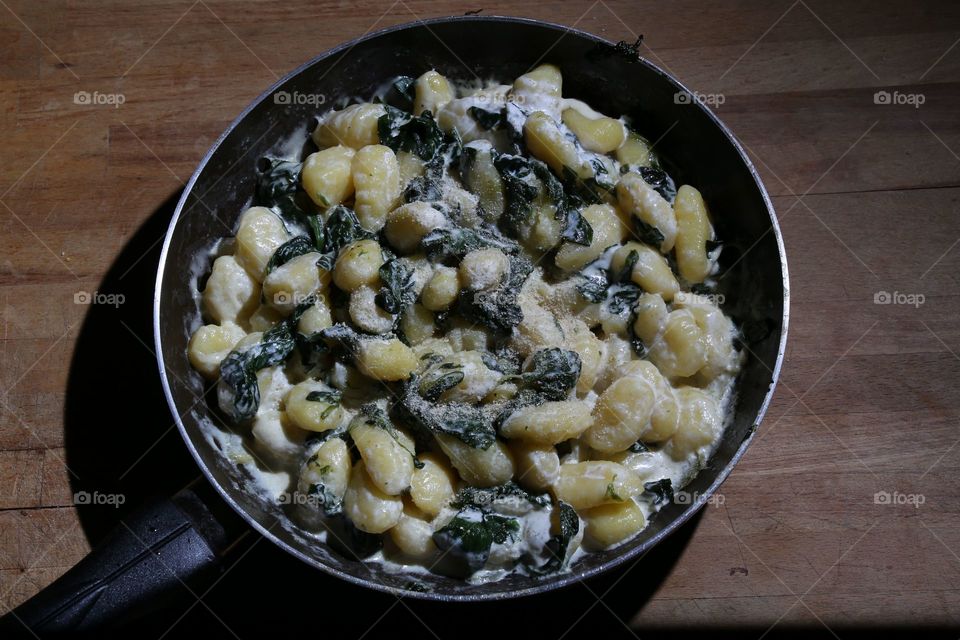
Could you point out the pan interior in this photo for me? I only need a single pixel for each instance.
(698, 148)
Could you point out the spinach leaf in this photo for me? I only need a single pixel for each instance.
(622, 298)
(661, 491)
(498, 308)
(488, 120)
(520, 189)
(330, 503)
(661, 181)
(578, 229)
(401, 131)
(289, 250)
(647, 233)
(465, 422)
(558, 547)
(470, 534)
(592, 190)
(278, 182)
(638, 447)
(505, 360)
(626, 271)
(439, 379)
(422, 188)
(487, 497)
(239, 369)
(553, 372)
(397, 291)
(277, 190)
(342, 228)
(450, 245)
(401, 93)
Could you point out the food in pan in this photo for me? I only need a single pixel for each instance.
(474, 327)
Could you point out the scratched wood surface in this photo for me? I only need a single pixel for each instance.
(868, 197)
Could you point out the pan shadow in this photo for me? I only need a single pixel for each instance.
(121, 445)
(121, 441)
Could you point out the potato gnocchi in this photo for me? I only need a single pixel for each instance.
(476, 326)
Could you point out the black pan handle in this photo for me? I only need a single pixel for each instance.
(162, 550)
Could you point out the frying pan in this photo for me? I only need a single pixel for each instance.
(181, 538)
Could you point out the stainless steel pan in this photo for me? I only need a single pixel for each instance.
(186, 536)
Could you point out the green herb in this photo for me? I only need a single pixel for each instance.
(660, 490)
(488, 120)
(332, 398)
(450, 245)
(397, 291)
(553, 372)
(289, 250)
(611, 492)
(377, 417)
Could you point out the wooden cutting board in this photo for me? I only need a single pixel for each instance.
(843, 513)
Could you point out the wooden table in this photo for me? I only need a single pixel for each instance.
(868, 196)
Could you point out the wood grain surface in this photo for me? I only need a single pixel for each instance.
(868, 197)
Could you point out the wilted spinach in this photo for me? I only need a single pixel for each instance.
(558, 547)
(661, 491)
(450, 245)
(460, 420)
(553, 372)
(397, 291)
(289, 250)
(661, 181)
(471, 533)
(239, 369)
(488, 120)
(401, 131)
(342, 228)
(498, 308)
